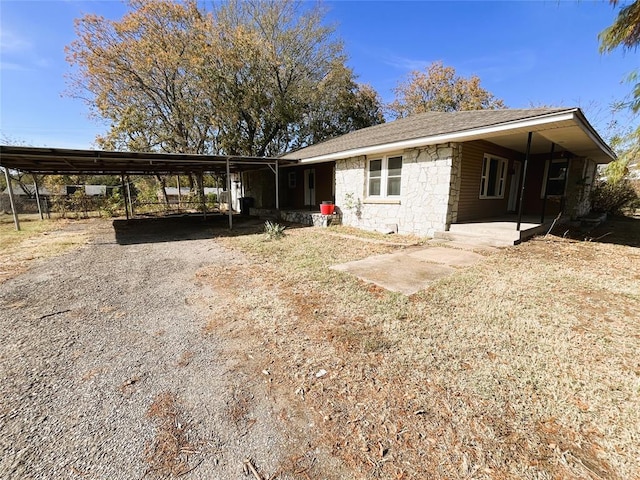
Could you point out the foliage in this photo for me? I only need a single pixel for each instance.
(243, 79)
(353, 204)
(339, 105)
(439, 89)
(625, 33)
(614, 191)
(273, 230)
(614, 197)
(625, 30)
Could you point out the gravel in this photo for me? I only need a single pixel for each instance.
(92, 338)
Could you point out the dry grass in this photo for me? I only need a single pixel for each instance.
(37, 239)
(171, 453)
(524, 366)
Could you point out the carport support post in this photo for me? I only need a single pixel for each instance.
(13, 205)
(524, 179)
(277, 188)
(179, 194)
(229, 195)
(202, 199)
(124, 197)
(129, 195)
(35, 182)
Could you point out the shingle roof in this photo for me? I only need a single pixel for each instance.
(419, 126)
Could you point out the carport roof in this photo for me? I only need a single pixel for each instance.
(44, 160)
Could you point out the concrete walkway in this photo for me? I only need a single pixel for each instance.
(414, 269)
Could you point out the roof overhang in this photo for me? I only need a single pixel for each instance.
(568, 129)
(98, 162)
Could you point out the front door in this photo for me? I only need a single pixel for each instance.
(515, 186)
(310, 187)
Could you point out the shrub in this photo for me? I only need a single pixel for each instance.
(273, 231)
(614, 197)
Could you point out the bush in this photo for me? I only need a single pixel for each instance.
(614, 197)
(273, 231)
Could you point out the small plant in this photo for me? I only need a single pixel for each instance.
(353, 204)
(273, 231)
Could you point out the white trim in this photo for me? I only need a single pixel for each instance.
(501, 179)
(572, 114)
(384, 177)
(545, 179)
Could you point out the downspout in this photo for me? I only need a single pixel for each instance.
(524, 180)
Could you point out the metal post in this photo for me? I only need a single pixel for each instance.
(524, 179)
(35, 184)
(277, 188)
(124, 196)
(230, 213)
(179, 194)
(546, 184)
(11, 201)
(129, 195)
(202, 199)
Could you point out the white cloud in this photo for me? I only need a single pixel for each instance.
(6, 66)
(500, 66)
(406, 63)
(10, 42)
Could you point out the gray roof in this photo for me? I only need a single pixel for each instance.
(419, 126)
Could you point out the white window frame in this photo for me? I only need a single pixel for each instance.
(545, 178)
(384, 176)
(501, 178)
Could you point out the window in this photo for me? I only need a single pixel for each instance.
(555, 178)
(385, 177)
(492, 180)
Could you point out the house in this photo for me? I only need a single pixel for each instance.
(433, 173)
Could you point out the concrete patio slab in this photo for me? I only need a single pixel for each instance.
(446, 256)
(411, 270)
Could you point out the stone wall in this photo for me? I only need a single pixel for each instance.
(579, 183)
(429, 192)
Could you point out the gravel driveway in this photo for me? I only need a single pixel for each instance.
(106, 372)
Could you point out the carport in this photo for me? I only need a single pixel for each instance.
(58, 161)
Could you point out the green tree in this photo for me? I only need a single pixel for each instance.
(624, 33)
(239, 80)
(339, 105)
(439, 89)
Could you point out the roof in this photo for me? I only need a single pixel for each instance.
(558, 125)
(67, 161)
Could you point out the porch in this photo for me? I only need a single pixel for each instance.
(497, 231)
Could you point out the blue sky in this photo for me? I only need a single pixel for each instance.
(534, 52)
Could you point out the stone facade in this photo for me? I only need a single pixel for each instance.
(429, 192)
(580, 178)
(298, 216)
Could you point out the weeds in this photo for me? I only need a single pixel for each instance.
(521, 367)
(273, 231)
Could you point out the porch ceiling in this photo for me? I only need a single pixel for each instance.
(566, 135)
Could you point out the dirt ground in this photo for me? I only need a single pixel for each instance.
(173, 349)
(108, 372)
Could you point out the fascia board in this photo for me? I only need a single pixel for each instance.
(444, 138)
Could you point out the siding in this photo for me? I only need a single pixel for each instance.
(294, 197)
(470, 205)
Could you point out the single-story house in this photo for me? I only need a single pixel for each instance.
(433, 172)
